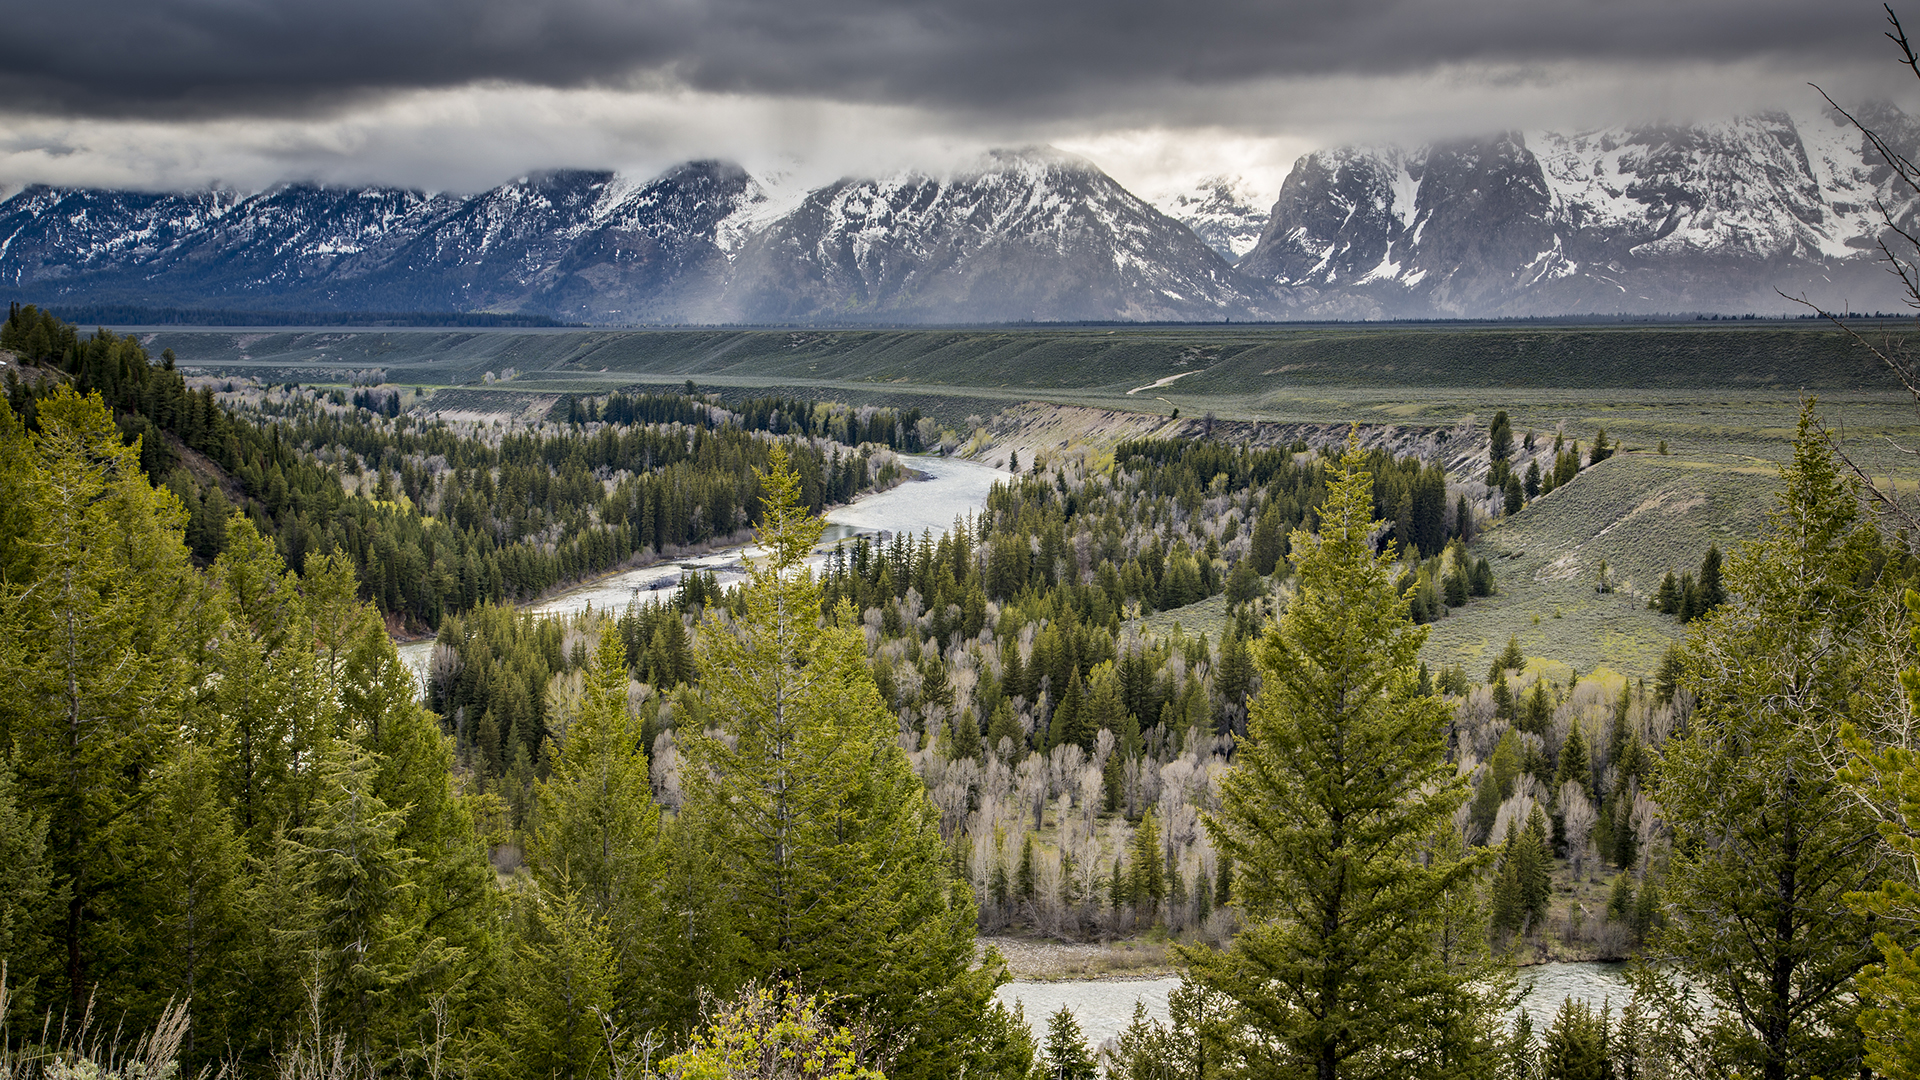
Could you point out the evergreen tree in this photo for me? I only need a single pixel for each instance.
(597, 839)
(1507, 907)
(1500, 437)
(1538, 711)
(1522, 1054)
(562, 985)
(1504, 709)
(1766, 839)
(1889, 774)
(1511, 658)
(1575, 763)
(357, 875)
(1620, 898)
(1342, 779)
(271, 705)
(1667, 600)
(1147, 882)
(189, 882)
(1574, 1046)
(1067, 1056)
(821, 834)
(114, 614)
(1601, 450)
(1712, 592)
(1535, 869)
(27, 903)
(1269, 542)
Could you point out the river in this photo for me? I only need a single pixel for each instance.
(1104, 1007)
(948, 489)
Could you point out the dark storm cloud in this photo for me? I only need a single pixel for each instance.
(1027, 58)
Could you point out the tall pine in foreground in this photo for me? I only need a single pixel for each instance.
(825, 848)
(101, 617)
(1330, 819)
(1768, 844)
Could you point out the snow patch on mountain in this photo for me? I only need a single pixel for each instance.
(1224, 211)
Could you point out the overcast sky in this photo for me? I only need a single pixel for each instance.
(464, 94)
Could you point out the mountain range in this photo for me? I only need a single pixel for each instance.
(1711, 217)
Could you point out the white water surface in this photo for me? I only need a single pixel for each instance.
(1104, 1007)
(948, 489)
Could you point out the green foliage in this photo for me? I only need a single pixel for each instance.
(1500, 436)
(1575, 1044)
(820, 833)
(1341, 781)
(107, 599)
(1067, 1056)
(1887, 774)
(561, 989)
(1768, 842)
(769, 1032)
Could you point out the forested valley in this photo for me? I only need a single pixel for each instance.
(754, 830)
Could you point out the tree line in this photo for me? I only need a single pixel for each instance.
(438, 517)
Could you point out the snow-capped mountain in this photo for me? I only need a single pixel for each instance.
(587, 246)
(1708, 217)
(1026, 234)
(1030, 234)
(1221, 211)
(1656, 219)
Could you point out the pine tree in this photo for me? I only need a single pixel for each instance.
(114, 615)
(1500, 437)
(1511, 658)
(1503, 704)
(1620, 898)
(1538, 711)
(1765, 837)
(1067, 1056)
(1712, 592)
(1574, 1046)
(1890, 989)
(1522, 1055)
(1268, 544)
(358, 876)
(822, 835)
(271, 705)
(190, 876)
(1535, 866)
(1147, 883)
(598, 830)
(1341, 780)
(1575, 763)
(562, 984)
(1004, 736)
(28, 905)
(1507, 908)
(1667, 600)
